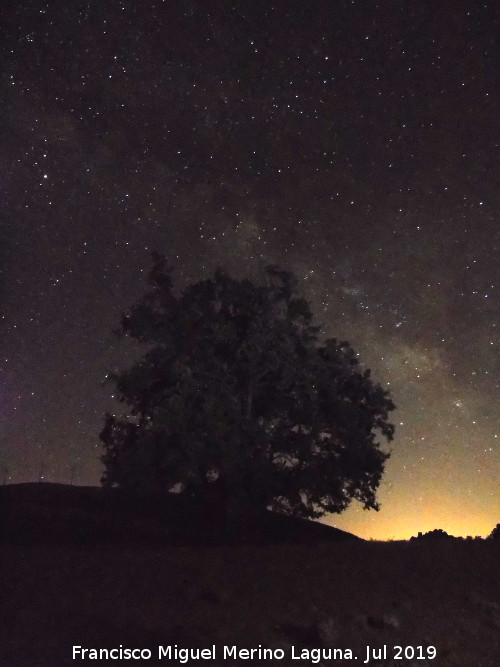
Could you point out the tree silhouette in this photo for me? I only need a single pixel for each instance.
(495, 533)
(235, 393)
(436, 534)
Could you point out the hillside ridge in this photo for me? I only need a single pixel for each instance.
(46, 512)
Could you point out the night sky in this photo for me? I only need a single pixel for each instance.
(353, 143)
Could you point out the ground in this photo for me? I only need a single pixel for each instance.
(347, 594)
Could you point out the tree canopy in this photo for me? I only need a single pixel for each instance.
(236, 392)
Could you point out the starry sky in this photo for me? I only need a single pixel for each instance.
(353, 143)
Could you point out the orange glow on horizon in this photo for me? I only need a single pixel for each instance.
(400, 523)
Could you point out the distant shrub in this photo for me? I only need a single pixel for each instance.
(495, 533)
(438, 533)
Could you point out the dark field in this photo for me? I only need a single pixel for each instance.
(337, 592)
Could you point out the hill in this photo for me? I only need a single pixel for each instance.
(55, 513)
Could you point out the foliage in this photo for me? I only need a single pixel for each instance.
(236, 394)
(495, 533)
(437, 533)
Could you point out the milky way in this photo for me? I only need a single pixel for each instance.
(354, 143)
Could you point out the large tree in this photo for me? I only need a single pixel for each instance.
(235, 392)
